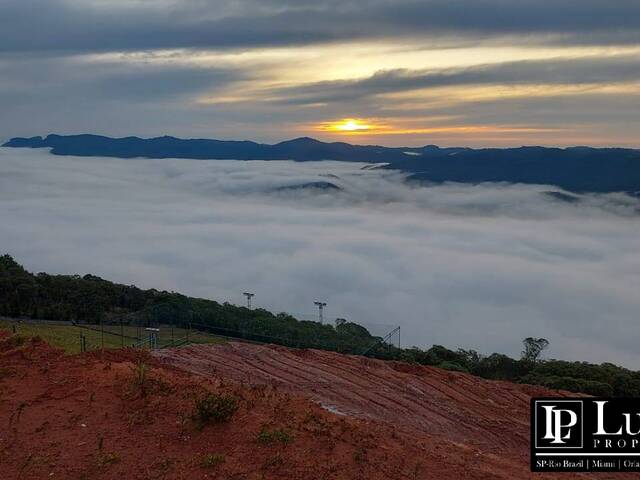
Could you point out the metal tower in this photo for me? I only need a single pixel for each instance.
(249, 297)
(321, 306)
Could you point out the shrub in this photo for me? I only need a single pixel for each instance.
(107, 458)
(14, 341)
(211, 460)
(438, 354)
(140, 375)
(267, 437)
(214, 408)
(455, 367)
(500, 367)
(590, 387)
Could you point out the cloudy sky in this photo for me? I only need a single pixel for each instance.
(406, 72)
(465, 266)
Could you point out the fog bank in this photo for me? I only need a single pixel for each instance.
(464, 266)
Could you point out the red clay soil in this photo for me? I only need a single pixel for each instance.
(125, 415)
(481, 424)
(460, 407)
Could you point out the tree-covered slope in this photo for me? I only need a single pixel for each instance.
(94, 300)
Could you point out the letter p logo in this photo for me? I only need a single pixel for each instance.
(558, 424)
(555, 426)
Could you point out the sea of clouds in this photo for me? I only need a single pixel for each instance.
(464, 266)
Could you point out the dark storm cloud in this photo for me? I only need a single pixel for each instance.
(71, 94)
(563, 71)
(154, 82)
(125, 79)
(613, 111)
(36, 25)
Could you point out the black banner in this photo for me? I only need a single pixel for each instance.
(585, 435)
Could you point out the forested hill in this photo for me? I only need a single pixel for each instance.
(577, 169)
(92, 299)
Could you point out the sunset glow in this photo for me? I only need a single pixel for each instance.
(349, 125)
(502, 74)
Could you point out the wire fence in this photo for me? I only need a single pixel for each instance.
(78, 337)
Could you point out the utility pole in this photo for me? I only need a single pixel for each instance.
(321, 306)
(249, 296)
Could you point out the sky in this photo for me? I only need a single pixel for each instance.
(391, 72)
(471, 266)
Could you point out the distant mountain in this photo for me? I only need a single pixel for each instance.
(577, 169)
(574, 169)
(317, 186)
(300, 149)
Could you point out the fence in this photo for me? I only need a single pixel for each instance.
(77, 337)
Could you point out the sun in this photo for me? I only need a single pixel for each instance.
(348, 125)
(352, 125)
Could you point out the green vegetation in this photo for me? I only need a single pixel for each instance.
(211, 460)
(127, 310)
(92, 300)
(602, 380)
(214, 408)
(140, 375)
(277, 435)
(104, 459)
(14, 341)
(66, 336)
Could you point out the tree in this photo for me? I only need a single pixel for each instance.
(533, 347)
(472, 358)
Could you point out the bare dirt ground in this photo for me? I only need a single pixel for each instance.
(94, 416)
(429, 400)
(482, 423)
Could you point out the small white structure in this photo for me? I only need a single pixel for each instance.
(153, 337)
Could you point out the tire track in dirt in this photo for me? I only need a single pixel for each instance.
(383, 397)
(402, 404)
(453, 405)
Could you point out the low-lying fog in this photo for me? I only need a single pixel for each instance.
(464, 266)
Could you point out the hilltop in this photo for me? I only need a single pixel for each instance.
(577, 169)
(91, 300)
(125, 414)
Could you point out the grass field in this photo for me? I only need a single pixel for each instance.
(67, 336)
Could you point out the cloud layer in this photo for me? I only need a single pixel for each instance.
(591, 70)
(74, 25)
(466, 266)
(558, 73)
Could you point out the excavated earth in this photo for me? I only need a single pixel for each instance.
(481, 427)
(417, 399)
(124, 414)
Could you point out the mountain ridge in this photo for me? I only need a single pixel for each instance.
(576, 169)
